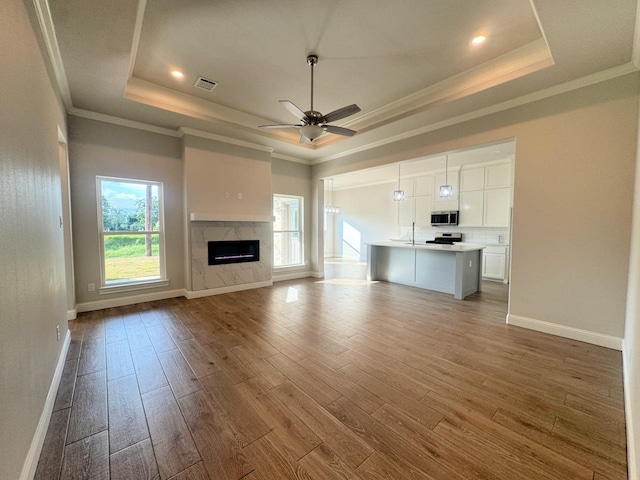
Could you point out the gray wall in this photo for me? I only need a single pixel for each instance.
(98, 148)
(32, 270)
(289, 178)
(574, 170)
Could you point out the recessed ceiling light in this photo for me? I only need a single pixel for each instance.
(177, 73)
(479, 40)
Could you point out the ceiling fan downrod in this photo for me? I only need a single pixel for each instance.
(312, 60)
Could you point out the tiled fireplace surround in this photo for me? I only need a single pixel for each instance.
(205, 277)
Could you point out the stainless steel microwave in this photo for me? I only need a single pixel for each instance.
(449, 217)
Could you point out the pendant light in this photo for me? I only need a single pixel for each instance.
(398, 195)
(331, 208)
(446, 190)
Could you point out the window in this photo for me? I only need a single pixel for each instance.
(130, 223)
(287, 231)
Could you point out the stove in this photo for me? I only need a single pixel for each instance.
(446, 238)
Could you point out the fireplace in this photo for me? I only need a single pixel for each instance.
(233, 251)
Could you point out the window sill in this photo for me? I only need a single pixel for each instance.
(128, 287)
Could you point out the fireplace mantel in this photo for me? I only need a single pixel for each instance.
(229, 217)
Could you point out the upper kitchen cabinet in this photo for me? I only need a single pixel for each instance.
(415, 209)
(449, 203)
(485, 198)
(472, 179)
(406, 184)
(423, 185)
(497, 207)
(498, 176)
(418, 202)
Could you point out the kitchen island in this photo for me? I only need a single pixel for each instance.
(454, 269)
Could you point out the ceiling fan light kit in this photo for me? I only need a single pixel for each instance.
(314, 124)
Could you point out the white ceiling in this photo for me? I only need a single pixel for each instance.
(408, 64)
(389, 173)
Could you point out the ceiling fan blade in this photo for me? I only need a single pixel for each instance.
(294, 109)
(341, 113)
(283, 125)
(339, 130)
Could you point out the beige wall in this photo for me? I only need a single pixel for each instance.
(212, 168)
(32, 270)
(573, 188)
(632, 336)
(289, 178)
(98, 148)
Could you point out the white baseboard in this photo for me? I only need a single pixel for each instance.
(72, 314)
(632, 465)
(31, 462)
(291, 276)
(586, 336)
(231, 288)
(130, 300)
(317, 274)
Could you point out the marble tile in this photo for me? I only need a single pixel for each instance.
(206, 276)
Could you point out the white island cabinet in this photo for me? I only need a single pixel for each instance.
(454, 269)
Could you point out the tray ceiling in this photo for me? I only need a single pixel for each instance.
(407, 64)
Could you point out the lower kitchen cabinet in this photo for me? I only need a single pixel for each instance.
(494, 263)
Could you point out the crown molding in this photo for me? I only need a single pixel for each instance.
(517, 63)
(51, 43)
(148, 93)
(287, 158)
(592, 79)
(101, 117)
(182, 131)
(137, 31)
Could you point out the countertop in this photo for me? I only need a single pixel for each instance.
(458, 247)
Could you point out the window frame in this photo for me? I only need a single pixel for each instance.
(129, 284)
(300, 231)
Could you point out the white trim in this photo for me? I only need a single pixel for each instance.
(51, 42)
(137, 30)
(31, 462)
(130, 300)
(123, 122)
(592, 79)
(191, 294)
(182, 131)
(281, 277)
(229, 217)
(579, 334)
(628, 413)
(288, 158)
(317, 274)
(72, 314)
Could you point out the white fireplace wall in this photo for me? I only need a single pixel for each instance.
(205, 276)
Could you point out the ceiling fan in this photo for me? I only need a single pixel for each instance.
(313, 123)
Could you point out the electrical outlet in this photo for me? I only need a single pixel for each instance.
(239, 196)
(92, 287)
(226, 194)
(470, 263)
(58, 332)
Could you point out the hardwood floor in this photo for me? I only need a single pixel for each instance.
(333, 379)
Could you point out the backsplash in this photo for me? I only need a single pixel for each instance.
(471, 235)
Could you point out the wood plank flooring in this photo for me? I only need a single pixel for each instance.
(337, 379)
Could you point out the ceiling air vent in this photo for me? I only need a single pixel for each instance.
(205, 84)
